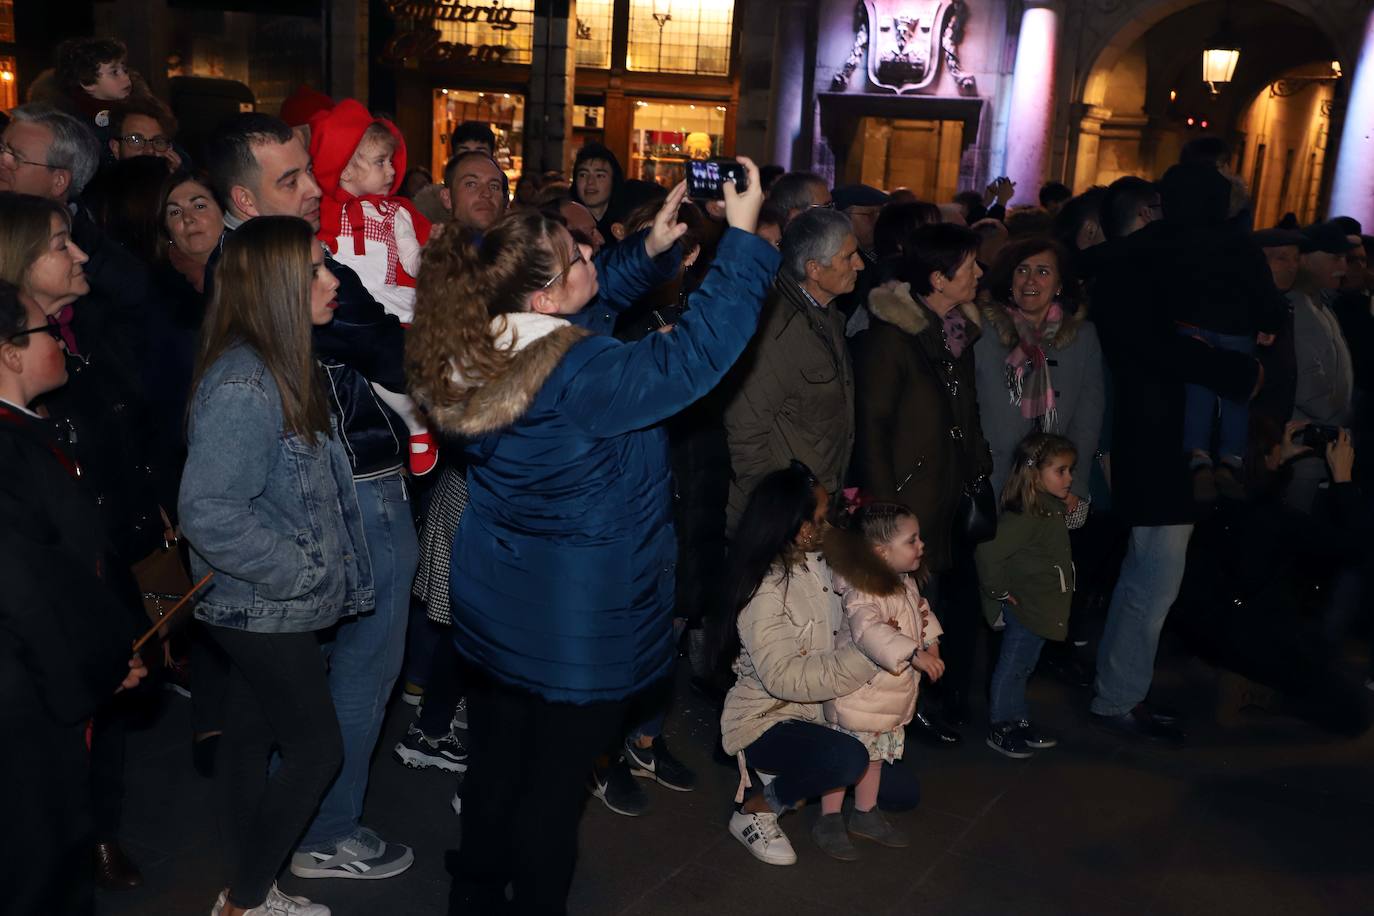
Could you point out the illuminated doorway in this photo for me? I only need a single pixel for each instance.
(504, 112)
(895, 153)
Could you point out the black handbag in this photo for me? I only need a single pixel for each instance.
(975, 515)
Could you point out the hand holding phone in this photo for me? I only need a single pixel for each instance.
(706, 178)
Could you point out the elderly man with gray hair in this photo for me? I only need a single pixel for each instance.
(46, 152)
(794, 387)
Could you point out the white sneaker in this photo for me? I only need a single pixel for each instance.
(762, 836)
(220, 902)
(276, 904)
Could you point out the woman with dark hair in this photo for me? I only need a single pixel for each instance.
(1039, 363)
(268, 504)
(569, 513)
(920, 440)
(891, 239)
(786, 664)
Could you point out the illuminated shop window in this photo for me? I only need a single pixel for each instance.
(594, 23)
(681, 36)
(589, 116)
(502, 23)
(9, 76)
(667, 134)
(503, 111)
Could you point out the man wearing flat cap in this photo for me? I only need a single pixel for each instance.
(861, 204)
(1325, 373)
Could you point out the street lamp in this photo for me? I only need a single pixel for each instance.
(663, 14)
(1220, 56)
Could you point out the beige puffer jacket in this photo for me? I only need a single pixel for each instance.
(888, 700)
(789, 663)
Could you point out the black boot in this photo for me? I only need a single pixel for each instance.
(929, 729)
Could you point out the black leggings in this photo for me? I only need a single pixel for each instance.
(277, 697)
(524, 794)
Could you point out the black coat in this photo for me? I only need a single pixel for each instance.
(1150, 365)
(64, 647)
(1242, 597)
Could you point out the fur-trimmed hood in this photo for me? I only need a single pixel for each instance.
(997, 318)
(538, 343)
(893, 302)
(853, 559)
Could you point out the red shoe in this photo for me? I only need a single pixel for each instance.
(424, 454)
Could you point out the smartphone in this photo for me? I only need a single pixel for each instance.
(706, 178)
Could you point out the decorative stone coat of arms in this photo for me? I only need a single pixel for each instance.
(905, 41)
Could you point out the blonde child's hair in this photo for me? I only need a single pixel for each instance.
(878, 522)
(1027, 461)
(375, 137)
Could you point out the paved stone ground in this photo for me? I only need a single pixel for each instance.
(1269, 816)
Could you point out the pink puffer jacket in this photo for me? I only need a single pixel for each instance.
(888, 700)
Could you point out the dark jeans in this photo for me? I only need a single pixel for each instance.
(278, 696)
(523, 796)
(806, 760)
(443, 686)
(209, 680)
(1201, 410)
(109, 729)
(1016, 660)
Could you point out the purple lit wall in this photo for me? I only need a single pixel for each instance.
(1352, 192)
(1031, 115)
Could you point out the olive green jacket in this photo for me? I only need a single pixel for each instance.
(1030, 560)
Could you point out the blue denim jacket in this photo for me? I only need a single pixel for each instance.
(275, 517)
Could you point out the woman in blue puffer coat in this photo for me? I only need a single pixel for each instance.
(562, 592)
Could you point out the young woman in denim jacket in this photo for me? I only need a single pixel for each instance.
(268, 504)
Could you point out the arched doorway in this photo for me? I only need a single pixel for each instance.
(1144, 83)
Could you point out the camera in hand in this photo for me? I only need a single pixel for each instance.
(706, 178)
(1317, 436)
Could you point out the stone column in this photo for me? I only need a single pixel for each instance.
(1030, 117)
(788, 108)
(1352, 191)
(549, 104)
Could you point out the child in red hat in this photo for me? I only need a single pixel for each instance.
(359, 161)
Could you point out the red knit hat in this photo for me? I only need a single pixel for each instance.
(302, 104)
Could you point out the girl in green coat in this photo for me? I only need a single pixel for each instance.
(1027, 578)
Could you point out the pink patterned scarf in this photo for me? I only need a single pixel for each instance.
(1028, 370)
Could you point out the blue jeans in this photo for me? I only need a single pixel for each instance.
(1020, 651)
(1150, 578)
(1200, 405)
(807, 760)
(365, 655)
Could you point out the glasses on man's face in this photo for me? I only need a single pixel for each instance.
(828, 205)
(159, 143)
(52, 330)
(577, 258)
(10, 158)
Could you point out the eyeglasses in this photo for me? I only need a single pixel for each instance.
(52, 330)
(159, 143)
(10, 157)
(577, 259)
(828, 205)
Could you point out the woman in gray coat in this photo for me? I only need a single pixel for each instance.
(1039, 364)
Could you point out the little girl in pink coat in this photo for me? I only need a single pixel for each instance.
(886, 617)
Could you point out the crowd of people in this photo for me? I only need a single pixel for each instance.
(511, 453)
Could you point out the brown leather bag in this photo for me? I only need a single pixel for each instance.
(163, 578)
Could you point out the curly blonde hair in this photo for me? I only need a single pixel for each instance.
(467, 279)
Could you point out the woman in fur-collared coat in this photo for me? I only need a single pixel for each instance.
(562, 566)
(1039, 363)
(919, 436)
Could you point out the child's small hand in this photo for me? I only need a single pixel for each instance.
(1264, 340)
(929, 664)
(892, 622)
(1011, 599)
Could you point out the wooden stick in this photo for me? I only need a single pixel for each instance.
(185, 599)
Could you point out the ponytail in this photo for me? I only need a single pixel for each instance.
(467, 279)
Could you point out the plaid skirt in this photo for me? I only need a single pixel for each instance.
(446, 505)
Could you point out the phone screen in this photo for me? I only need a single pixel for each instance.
(706, 177)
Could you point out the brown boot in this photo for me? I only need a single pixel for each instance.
(113, 869)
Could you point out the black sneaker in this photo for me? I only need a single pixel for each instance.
(446, 753)
(1005, 738)
(1034, 737)
(658, 763)
(618, 790)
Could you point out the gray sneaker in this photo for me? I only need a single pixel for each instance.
(363, 855)
(833, 839)
(873, 825)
